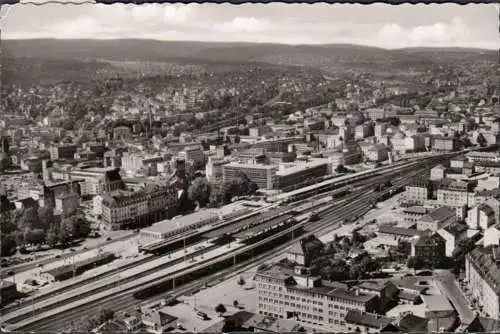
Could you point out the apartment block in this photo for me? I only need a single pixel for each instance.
(482, 275)
(127, 209)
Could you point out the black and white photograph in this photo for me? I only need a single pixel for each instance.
(220, 168)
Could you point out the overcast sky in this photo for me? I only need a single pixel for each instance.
(377, 25)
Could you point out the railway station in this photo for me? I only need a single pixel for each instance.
(69, 270)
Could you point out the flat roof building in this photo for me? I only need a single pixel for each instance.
(263, 175)
(171, 227)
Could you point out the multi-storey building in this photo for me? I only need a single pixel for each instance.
(126, 209)
(437, 219)
(121, 132)
(296, 173)
(482, 274)
(263, 175)
(483, 156)
(456, 193)
(285, 293)
(444, 144)
(67, 203)
(413, 214)
(277, 145)
(95, 181)
(418, 191)
(481, 217)
(214, 169)
(194, 154)
(138, 163)
(429, 247)
(62, 151)
(377, 153)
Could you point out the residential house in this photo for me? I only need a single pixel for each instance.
(304, 251)
(429, 247)
(481, 217)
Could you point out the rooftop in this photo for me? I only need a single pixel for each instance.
(370, 320)
(408, 232)
(292, 168)
(437, 303)
(168, 225)
(483, 259)
(439, 214)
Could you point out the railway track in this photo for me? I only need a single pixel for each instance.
(357, 204)
(143, 261)
(106, 286)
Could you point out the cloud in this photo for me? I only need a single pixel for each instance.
(378, 25)
(176, 14)
(81, 27)
(243, 24)
(439, 33)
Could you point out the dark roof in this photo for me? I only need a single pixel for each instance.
(408, 232)
(486, 209)
(28, 202)
(429, 240)
(238, 319)
(486, 163)
(113, 175)
(439, 214)
(416, 210)
(371, 320)
(483, 259)
(307, 245)
(406, 295)
(66, 269)
(481, 324)
(411, 322)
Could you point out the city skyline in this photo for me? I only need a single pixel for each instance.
(378, 25)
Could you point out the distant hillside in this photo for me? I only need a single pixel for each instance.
(51, 58)
(152, 50)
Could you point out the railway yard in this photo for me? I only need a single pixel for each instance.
(187, 262)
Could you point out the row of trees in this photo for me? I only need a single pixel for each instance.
(36, 226)
(206, 194)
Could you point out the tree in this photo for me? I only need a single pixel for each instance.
(8, 246)
(34, 236)
(46, 216)
(414, 262)
(199, 191)
(64, 235)
(217, 196)
(29, 218)
(220, 308)
(357, 239)
(53, 235)
(341, 169)
(105, 315)
(79, 226)
(235, 303)
(5, 162)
